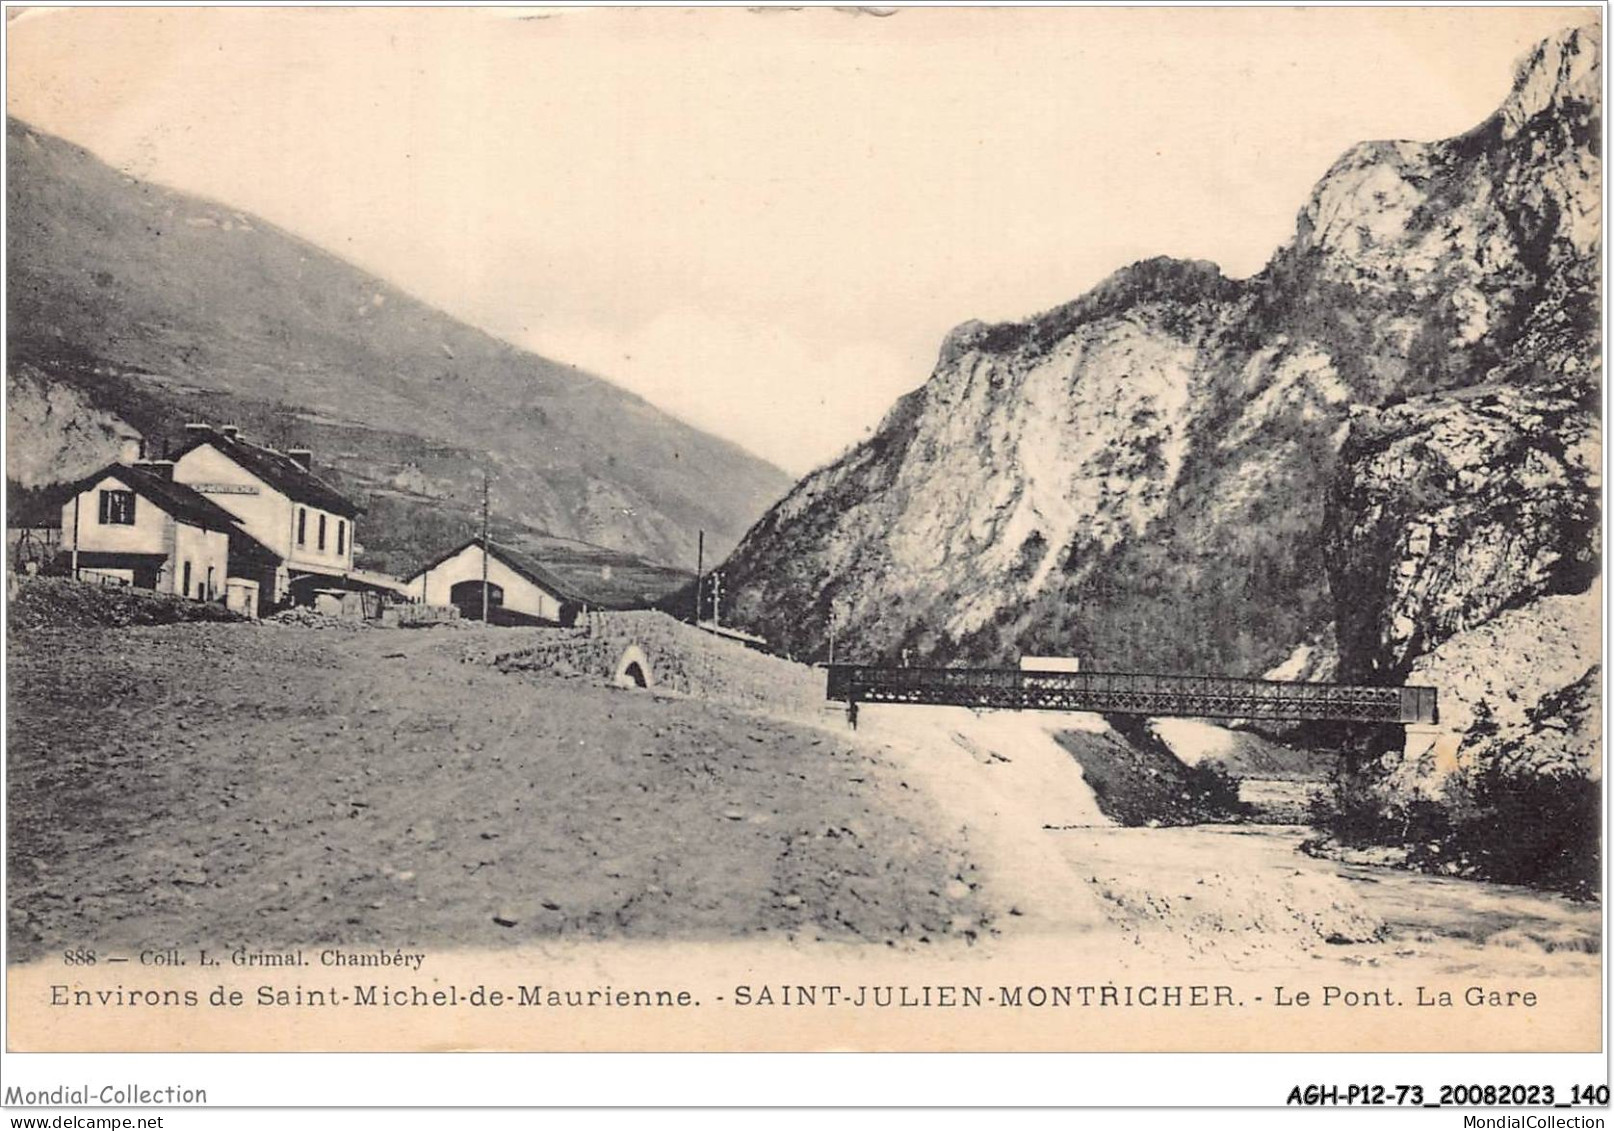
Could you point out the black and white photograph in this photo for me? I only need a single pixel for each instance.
(790, 529)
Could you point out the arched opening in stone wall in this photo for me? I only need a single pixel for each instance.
(633, 669)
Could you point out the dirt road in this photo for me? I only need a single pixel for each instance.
(233, 783)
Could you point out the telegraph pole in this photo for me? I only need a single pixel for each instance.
(75, 535)
(717, 600)
(484, 547)
(700, 569)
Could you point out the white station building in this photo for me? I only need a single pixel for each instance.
(306, 526)
(130, 524)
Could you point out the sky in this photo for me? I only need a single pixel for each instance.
(763, 222)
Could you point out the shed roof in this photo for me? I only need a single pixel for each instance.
(523, 564)
(278, 470)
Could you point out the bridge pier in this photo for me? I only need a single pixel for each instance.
(1432, 745)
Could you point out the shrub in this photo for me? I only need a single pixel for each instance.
(1216, 791)
(1542, 830)
(1537, 829)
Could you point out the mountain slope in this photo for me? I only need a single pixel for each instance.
(1139, 477)
(154, 304)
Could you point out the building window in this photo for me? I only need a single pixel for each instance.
(209, 592)
(302, 526)
(322, 534)
(117, 508)
(185, 584)
(341, 537)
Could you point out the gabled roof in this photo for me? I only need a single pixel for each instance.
(278, 470)
(515, 559)
(247, 550)
(175, 499)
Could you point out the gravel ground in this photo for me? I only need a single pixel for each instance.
(41, 602)
(229, 783)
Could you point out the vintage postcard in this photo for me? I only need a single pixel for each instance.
(873, 529)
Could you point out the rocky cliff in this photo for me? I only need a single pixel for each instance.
(1453, 508)
(1462, 527)
(1169, 472)
(54, 432)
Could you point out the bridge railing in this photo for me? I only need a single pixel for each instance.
(1134, 693)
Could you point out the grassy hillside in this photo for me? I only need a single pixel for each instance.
(157, 306)
(400, 534)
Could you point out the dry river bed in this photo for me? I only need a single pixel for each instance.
(1228, 896)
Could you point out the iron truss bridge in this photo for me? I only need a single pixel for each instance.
(1132, 693)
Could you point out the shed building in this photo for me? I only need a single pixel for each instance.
(520, 590)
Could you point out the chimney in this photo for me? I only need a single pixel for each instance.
(302, 457)
(230, 431)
